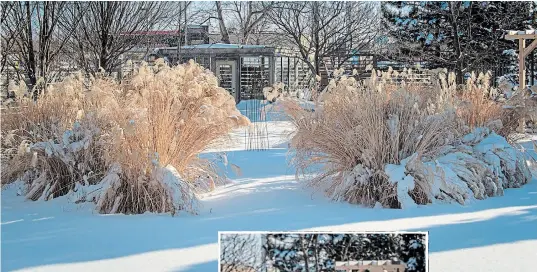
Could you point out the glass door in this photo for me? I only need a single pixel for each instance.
(226, 73)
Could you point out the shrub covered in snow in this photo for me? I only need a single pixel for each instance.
(481, 165)
(404, 144)
(137, 140)
(51, 143)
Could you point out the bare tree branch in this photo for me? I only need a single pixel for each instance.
(110, 29)
(35, 34)
(320, 30)
(240, 252)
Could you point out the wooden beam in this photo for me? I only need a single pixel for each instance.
(521, 64)
(530, 48)
(521, 36)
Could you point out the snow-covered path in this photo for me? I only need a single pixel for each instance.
(497, 234)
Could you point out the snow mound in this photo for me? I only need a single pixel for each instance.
(166, 185)
(405, 182)
(182, 194)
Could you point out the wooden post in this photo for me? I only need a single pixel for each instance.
(521, 64)
(532, 61)
(523, 51)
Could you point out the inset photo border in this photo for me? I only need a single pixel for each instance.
(259, 251)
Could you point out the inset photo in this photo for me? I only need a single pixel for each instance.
(323, 252)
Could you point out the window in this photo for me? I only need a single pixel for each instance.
(277, 69)
(285, 71)
(355, 270)
(254, 76)
(303, 74)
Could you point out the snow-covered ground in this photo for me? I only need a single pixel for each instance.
(496, 234)
(274, 133)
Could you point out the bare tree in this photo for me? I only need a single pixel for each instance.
(190, 12)
(35, 34)
(110, 29)
(241, 18)
(7, 42)
(240, 252)
(321, 30)
(249, 17)
(7, 35)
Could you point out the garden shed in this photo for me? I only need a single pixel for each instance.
(243, 70)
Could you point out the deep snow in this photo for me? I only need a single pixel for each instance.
(496, 234)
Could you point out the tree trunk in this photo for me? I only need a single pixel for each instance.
(102, 59)
(456, 41)
(346, 250)
(105, 18)
(31, 65)
(317, 64)
(315, 39)
(221, 23)
(179, 36)
(103, 54)
(245, 38)
(305, 251)
(43, 42)
(316, 252)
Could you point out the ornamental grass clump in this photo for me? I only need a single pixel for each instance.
(129, 147)
(169, 116)
(477, 105)
(51, 143)
(396, 141)
(356, 130)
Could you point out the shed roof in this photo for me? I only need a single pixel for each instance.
(224, 46)
(222, 49)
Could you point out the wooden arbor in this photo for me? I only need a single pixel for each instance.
(523, 51)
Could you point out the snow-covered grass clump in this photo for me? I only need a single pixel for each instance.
(480, 166)
(135, 142)
(402, 143)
